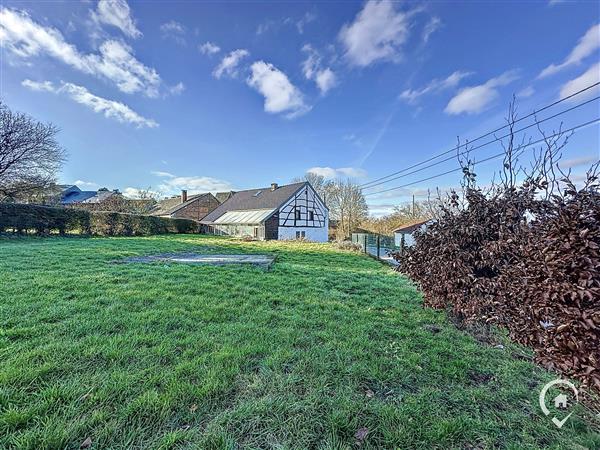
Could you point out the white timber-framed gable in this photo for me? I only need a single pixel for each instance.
(305, 216)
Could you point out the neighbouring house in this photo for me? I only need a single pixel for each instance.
(293, 211)
(194, 207)
(71, 195)
(403, 235)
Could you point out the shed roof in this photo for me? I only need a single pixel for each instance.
(411, 226)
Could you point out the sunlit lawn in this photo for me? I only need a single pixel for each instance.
(324, 345)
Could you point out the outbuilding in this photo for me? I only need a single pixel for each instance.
(403, 235)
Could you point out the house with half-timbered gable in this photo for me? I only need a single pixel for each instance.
(293, 211)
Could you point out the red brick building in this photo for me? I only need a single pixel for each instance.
(194, 207)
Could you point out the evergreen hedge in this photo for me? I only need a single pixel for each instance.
(45, 220)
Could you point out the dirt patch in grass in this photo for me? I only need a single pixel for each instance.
(264, 261)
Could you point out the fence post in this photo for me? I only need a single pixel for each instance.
(378, 245)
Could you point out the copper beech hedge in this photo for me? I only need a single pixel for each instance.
(523, 261)
(22, 218)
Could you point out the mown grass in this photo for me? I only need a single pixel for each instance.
(301, 356)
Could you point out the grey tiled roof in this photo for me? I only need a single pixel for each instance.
(263, 198)
(222, 197)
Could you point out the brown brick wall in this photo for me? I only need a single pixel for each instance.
(198, 209)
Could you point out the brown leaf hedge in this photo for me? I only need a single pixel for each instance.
(523, 261)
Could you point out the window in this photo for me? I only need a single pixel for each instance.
(297, 214)
(311, 216)
(255, 232)
(300, 234)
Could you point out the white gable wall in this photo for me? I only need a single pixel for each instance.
(305, 202)
(311, 234)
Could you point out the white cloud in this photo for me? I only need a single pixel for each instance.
(342, 172)
(275, 25)
(209, 48)
(576, 162)
(281, 96)
(325, 78)
(474, 99)
(591, 76)
(431, 27)
(435, 85)
(38, 86)
(177, 89)
(109, 108)
(306, 19)
(526, 92)
(173, 184)
(263, 27)
(229, 64)
(86, 184)
(586, 46)
(377, 33)
(173, 30)
(117, 14)
(115, 62)
(162, 174)
(376, 210)
(137, 193)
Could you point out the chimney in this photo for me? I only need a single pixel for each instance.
(183, 196)
(274, 186)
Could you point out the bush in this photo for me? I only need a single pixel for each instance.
(45, 220)
(524, 262)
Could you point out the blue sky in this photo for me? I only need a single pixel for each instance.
(220, 95)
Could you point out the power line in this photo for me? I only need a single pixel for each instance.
(484, 135)
(468, 150)
(485, 159)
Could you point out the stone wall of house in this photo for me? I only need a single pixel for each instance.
(271, 227)
(197, 209)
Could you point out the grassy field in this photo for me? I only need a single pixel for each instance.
(328, 350)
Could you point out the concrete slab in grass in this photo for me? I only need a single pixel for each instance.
(196, 258)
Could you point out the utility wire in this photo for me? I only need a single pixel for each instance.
(485, 159)
(484, 135)
(468, 150)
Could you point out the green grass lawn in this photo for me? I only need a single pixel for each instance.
(323, 345)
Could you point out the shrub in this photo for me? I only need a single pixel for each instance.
(44, 220)
(526, 263)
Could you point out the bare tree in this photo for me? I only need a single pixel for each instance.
(347, 205)
(30, 156)
(320, 184)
